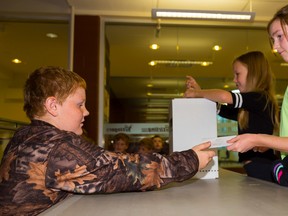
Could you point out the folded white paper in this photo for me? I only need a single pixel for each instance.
(220, 141)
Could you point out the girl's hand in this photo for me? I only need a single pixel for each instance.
(243, 143)
(191, 83)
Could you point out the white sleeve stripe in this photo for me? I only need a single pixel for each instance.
(239, 100)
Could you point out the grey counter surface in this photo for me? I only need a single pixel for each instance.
(232, 194)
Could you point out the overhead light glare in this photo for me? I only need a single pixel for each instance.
(203, 15)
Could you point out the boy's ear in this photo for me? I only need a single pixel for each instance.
(51, 105)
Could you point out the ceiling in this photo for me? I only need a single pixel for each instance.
(130, 30)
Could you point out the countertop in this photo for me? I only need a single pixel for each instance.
(231, 194)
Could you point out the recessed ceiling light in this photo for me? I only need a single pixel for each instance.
(16, 61)
(217, 48)
(152, 63)
(51, 35)
(205, 64)
(154, 46)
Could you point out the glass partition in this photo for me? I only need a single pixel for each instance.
(25, 46)
(141, 92)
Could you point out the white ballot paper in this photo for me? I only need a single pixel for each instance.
(220, 141)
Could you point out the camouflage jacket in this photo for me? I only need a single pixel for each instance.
(42, 165)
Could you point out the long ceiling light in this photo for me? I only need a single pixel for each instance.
(179, 63)
(165, 95)
(284, 64)
(203, 15)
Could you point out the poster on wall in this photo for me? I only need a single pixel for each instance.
(136, 132)
(137, 128)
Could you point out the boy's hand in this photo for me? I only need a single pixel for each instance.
(204, 154)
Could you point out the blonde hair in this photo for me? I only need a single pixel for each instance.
(282, 16)
(259, 79)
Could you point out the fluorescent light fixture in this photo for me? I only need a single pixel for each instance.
(165, 95)
(156, 117)
(203, 15)
(179, 63)
(157, 110)
(149, 85)
(284, 64)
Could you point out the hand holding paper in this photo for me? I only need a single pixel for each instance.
(220, 141)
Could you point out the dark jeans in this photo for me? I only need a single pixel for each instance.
(260, 168)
